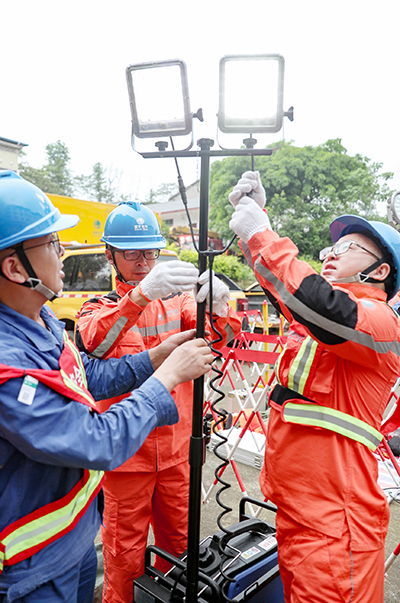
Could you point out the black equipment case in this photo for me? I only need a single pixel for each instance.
(239, 564)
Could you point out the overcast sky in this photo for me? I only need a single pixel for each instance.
(63, 74)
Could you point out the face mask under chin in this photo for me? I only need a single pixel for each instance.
(356, 278)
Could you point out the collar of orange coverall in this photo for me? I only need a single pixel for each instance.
(123, 288)
(362, 290)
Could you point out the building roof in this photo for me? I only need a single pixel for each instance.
(175, 202)
(13, 142)
(192, 190)
(171, 206)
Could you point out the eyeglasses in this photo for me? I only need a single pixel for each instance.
(132, 255)
(341, 248)
(55, 241)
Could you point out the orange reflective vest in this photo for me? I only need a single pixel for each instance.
(28, 535)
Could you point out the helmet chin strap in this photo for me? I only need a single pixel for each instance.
(33, 282)
(362, 277)
(37, 285)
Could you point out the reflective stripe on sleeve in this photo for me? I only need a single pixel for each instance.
(110, 338)
(300, 368)
(78, 390)
(310, 315)
(146, 331)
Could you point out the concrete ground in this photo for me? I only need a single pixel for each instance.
(231, 497)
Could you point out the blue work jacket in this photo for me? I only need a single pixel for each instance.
(45, 445)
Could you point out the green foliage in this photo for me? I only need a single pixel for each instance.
(56, 177)
(228, 264)
(40, 178)
(187, 255)
(162, 193)
(306, 188)
(172, 246)
(316, 264)
(171, 241)
(232, 267)
(57, 166)
(99, 185)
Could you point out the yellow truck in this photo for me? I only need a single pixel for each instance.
(87, 272)
(93, 216)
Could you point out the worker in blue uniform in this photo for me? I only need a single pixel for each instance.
(54, 445)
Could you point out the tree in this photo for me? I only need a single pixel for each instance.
(306, 188)
(162, 193)
(40, 178)
(99, 185)
(57, 167)
(55, 176)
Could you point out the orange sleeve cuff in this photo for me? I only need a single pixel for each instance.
(142, 294)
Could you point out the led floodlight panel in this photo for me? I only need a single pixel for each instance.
(159, 99)
(251, 93)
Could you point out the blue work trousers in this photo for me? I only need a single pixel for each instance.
(76, 586)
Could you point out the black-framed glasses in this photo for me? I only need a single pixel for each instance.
(341, 248)
(134, 254)
(55, 241)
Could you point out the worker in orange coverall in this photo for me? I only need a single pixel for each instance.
(333, 382)
(149, 305)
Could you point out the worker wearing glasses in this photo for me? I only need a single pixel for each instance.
(351, 258)
(151, 303)
(334, 379)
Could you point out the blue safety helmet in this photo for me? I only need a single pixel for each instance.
(385, 236)
(131, 225)
(26, 212)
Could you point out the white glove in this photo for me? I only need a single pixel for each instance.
(250, 181)
(248, 218)
(169, 277)
(220, 293)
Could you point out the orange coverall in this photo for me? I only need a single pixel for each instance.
(152, 486)
(332, 515)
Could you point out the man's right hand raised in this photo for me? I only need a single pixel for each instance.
(168, 277)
